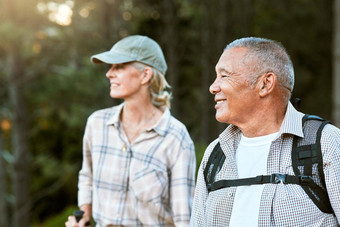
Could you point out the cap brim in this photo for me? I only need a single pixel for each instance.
(110, 57)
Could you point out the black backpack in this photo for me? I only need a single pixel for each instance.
(306, 157)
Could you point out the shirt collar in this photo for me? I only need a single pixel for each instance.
(161, 127)
(163, 124)
(114, 119)
(292, 122)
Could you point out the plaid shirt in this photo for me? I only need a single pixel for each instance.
(281, 204)
(149, 182)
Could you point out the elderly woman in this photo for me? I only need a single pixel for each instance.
(138, 160)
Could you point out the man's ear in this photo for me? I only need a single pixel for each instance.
(147, 75)
(267, 84)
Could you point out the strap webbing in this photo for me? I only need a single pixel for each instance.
(264, 179)
(214, 164)
(309, 155)
(302, 156)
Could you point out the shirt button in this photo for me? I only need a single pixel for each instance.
(230, 194)
(124, 148)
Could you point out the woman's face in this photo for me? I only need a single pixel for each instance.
(125, 81)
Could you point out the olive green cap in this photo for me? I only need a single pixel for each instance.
(134, 48)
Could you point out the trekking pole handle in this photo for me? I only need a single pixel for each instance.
(78, 214)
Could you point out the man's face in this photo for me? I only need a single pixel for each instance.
(235, 99)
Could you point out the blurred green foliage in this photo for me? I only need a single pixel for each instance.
(62, 88)
(57, 220)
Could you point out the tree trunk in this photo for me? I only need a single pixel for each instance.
(19, 140)
(16, 12)
(336, 63)
(106, 20)
(206, 70)
(4, 220)
(111, 20)
(221, 42)
(214, 34)
(170, 42)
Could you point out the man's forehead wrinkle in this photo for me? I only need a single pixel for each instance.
(222, 69)
(228, 63)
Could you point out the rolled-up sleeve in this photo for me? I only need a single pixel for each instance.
(182, 183)
(85, 174)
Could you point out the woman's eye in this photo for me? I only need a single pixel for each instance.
(120, 66)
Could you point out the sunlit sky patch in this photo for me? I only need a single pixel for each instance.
(85, 11)
(60, 13)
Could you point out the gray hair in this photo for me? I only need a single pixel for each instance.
(158, 86)
(267, 56)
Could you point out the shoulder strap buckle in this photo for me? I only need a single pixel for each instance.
(276, 178)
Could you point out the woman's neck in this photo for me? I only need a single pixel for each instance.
(137, 118)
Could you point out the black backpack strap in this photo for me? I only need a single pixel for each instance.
(303, 159)
(275, 178)
(214, 165)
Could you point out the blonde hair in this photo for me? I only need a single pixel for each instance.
(160, 96)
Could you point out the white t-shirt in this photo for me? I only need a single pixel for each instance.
(251, 160)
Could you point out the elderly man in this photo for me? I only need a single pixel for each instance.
(273, 165)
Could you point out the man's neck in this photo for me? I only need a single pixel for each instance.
(265, 122)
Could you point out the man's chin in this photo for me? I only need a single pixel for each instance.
(220, 119)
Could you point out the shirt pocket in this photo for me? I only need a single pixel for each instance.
(150, 184)
(150, 187)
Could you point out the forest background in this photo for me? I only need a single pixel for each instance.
(49, 87)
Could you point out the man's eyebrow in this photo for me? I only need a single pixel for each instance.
(223, 70)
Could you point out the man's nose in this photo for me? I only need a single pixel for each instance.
(214, 87)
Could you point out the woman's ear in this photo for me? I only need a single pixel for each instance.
(146, 75)
(267, 84)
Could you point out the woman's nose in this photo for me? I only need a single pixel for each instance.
(110, 73)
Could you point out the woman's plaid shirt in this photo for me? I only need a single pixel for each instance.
(149, 182)
(281, 204)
